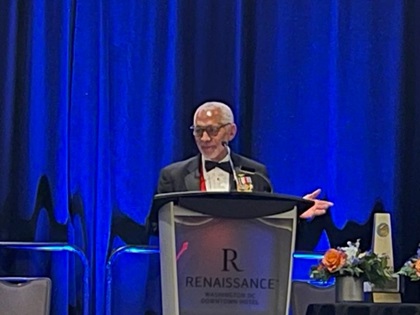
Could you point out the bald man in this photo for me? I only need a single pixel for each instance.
(213, 127)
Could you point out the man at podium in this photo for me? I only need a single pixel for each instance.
(218, 169)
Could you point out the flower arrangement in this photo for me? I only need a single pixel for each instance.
(411, 268)
(350, 261)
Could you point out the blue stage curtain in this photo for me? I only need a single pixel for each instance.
(98, 95)
(34, 96)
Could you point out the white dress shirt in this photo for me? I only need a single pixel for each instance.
(216, 179)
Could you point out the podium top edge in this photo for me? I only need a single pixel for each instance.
(214, 203)
(302, 203)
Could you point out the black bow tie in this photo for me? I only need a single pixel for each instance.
(224, 166)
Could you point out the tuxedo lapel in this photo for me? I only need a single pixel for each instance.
(236, 160)
(192, 179)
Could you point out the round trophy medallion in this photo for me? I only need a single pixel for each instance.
(382, 229)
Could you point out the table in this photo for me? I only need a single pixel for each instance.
(356, 308)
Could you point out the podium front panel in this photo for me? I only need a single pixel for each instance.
(230, 266)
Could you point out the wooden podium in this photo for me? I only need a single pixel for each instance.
(226, 253)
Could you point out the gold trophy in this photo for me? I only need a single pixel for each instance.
(382, 244)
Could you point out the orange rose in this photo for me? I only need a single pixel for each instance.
(417, 267)
(334, 259)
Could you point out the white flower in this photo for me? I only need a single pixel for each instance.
(362, 255)
(352, 251)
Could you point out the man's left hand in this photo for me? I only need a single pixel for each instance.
(319, 208)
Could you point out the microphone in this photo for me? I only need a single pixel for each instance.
(252, 171)
(235, 176)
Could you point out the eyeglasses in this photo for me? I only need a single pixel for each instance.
(212, 131)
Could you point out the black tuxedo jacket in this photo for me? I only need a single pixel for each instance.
(185, 175)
